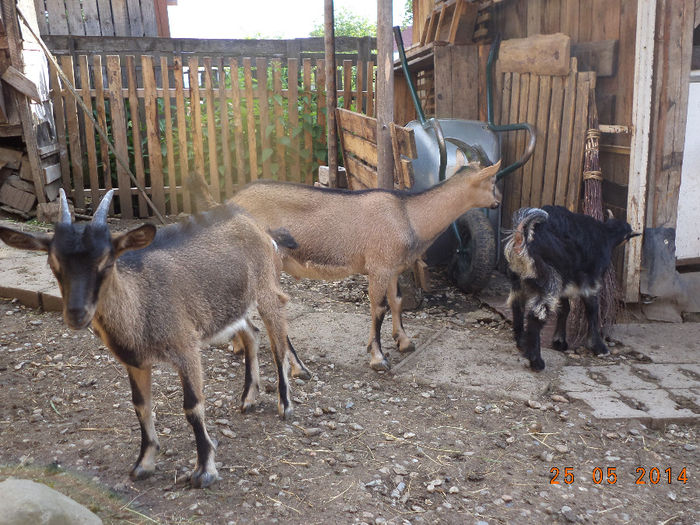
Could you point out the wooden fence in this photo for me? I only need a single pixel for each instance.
(232, 119)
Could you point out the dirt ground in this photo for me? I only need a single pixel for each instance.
(362, 446)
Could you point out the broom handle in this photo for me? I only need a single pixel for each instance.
(88, 113)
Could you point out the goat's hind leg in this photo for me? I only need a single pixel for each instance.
(516, 299)
(238, 343)
(403, 343)
(378, 308)
(594, 340)
(249, 343)
(190, 372)
(299, 369)
(559, 339)
(140, 380)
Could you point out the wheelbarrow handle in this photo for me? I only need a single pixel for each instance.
(493, 55)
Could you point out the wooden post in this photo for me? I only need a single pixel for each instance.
(639, 154)
(385, 94)
(331, 93)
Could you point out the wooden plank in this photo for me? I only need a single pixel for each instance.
(567, 131)
(213, 158)
(237, 123)
(360, 148)
(541, 123)
(278, 112)
(347, 84)
(442, 29)
(74, 15)
(552, 17)
(607, 26)
(134, 116)
(120, 17)
(465, 71)
(179, 81)
(359, 83)
(118, 113)
(41, 17)
(89, 131)
(358, 124)
(76, 153)
(225, 131)
(585, 21)
(61, 132)
(531, 116)
(148, 16)
(553, 140)
(308, 177)
(135, 18)
(503, 118)
(18, 80)
(250, 117)
(196, 117)
(155, 156)
(370, 89)
(357, 170)
(405, 140)
(535, 11)
(169, 145)
(321, 98)
(101, 121)
(293, 112)
(520, 136)
(540, 54)
(600, 57)
(569, 18)
(641, 125)
(513, 198)
(583, 86)
(104, 10)
(264, 105)
(443, 81)
(92, 18)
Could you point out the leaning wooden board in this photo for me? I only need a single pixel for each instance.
(557, 107)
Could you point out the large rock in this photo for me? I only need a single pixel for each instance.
(25, 502)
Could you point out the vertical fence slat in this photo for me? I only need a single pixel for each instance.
(178, 78)
(74, 13)
(102, 120)
(58, 23)
(57, 99)
(359, 74)
(134, 115)
(308, 177)
(321, 98)
(76, 154)
(155, 157)
(105, 14)
(92, 19)
(169, 147)
(118, 113)
(225, 146)
(250, 117)
(121, 18)
(196, 112)
(237, 123)
(135, 19)
(89, 131)
(264, 103)
(211, 131)
(279, 123)
(370, 88)
(347, 84)
(292, 100)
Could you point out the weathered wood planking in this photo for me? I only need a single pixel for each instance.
(73, 127)
(134, 116)
(116, 99)
(293, 112)
(196, 115)
(89, 133)
(237, 124)
(225, 131)
(169, 145)
(155, 157)
(250, 116)
(277, 111)
(321, 97)
(98, 17)
(347, 84)
(178, 79)
(102, 122)
(60, 119)
(264, 105)
(214, 184)
(307, 176)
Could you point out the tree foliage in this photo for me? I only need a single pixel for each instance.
(347, 23)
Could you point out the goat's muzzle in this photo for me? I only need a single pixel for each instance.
(77, 318)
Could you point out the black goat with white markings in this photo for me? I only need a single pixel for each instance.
(158, 296)
(554, 255)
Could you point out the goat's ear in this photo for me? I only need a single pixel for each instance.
(490, 171)
(461, 158)
(134, 239)
(24, 240)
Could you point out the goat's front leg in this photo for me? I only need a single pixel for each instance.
(378, 307)
(403, 343)
(299, 369)
(251, 387)
(559, 339)
(594, 340)
(140, 380)
(517, 304)
(190, 372)
(536, 318)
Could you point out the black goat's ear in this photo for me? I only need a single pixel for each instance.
(25, 240)
(134, 239)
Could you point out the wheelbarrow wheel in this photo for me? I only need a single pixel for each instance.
(471, 267)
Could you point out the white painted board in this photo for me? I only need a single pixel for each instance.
(687, 230)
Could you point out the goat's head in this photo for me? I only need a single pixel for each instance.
(81, 256)
(483, 189)
(620, 231)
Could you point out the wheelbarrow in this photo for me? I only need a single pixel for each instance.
(470, 246)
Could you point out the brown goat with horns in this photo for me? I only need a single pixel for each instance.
(375, 232)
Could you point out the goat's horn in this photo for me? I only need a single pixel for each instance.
(100, 215)
(64, 210)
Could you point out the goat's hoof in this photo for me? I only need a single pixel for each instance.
(410, 347)
(201, 478)
(139, 472)
(600, 352)
(561, 346)
(246, 406)
(537, 364)
(381, 366)
(285, 413)
(301, 373)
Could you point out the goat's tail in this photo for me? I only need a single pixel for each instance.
(200, 190)
(524, 221)
(283, 238)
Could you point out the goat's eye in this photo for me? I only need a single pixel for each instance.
(104, 262)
